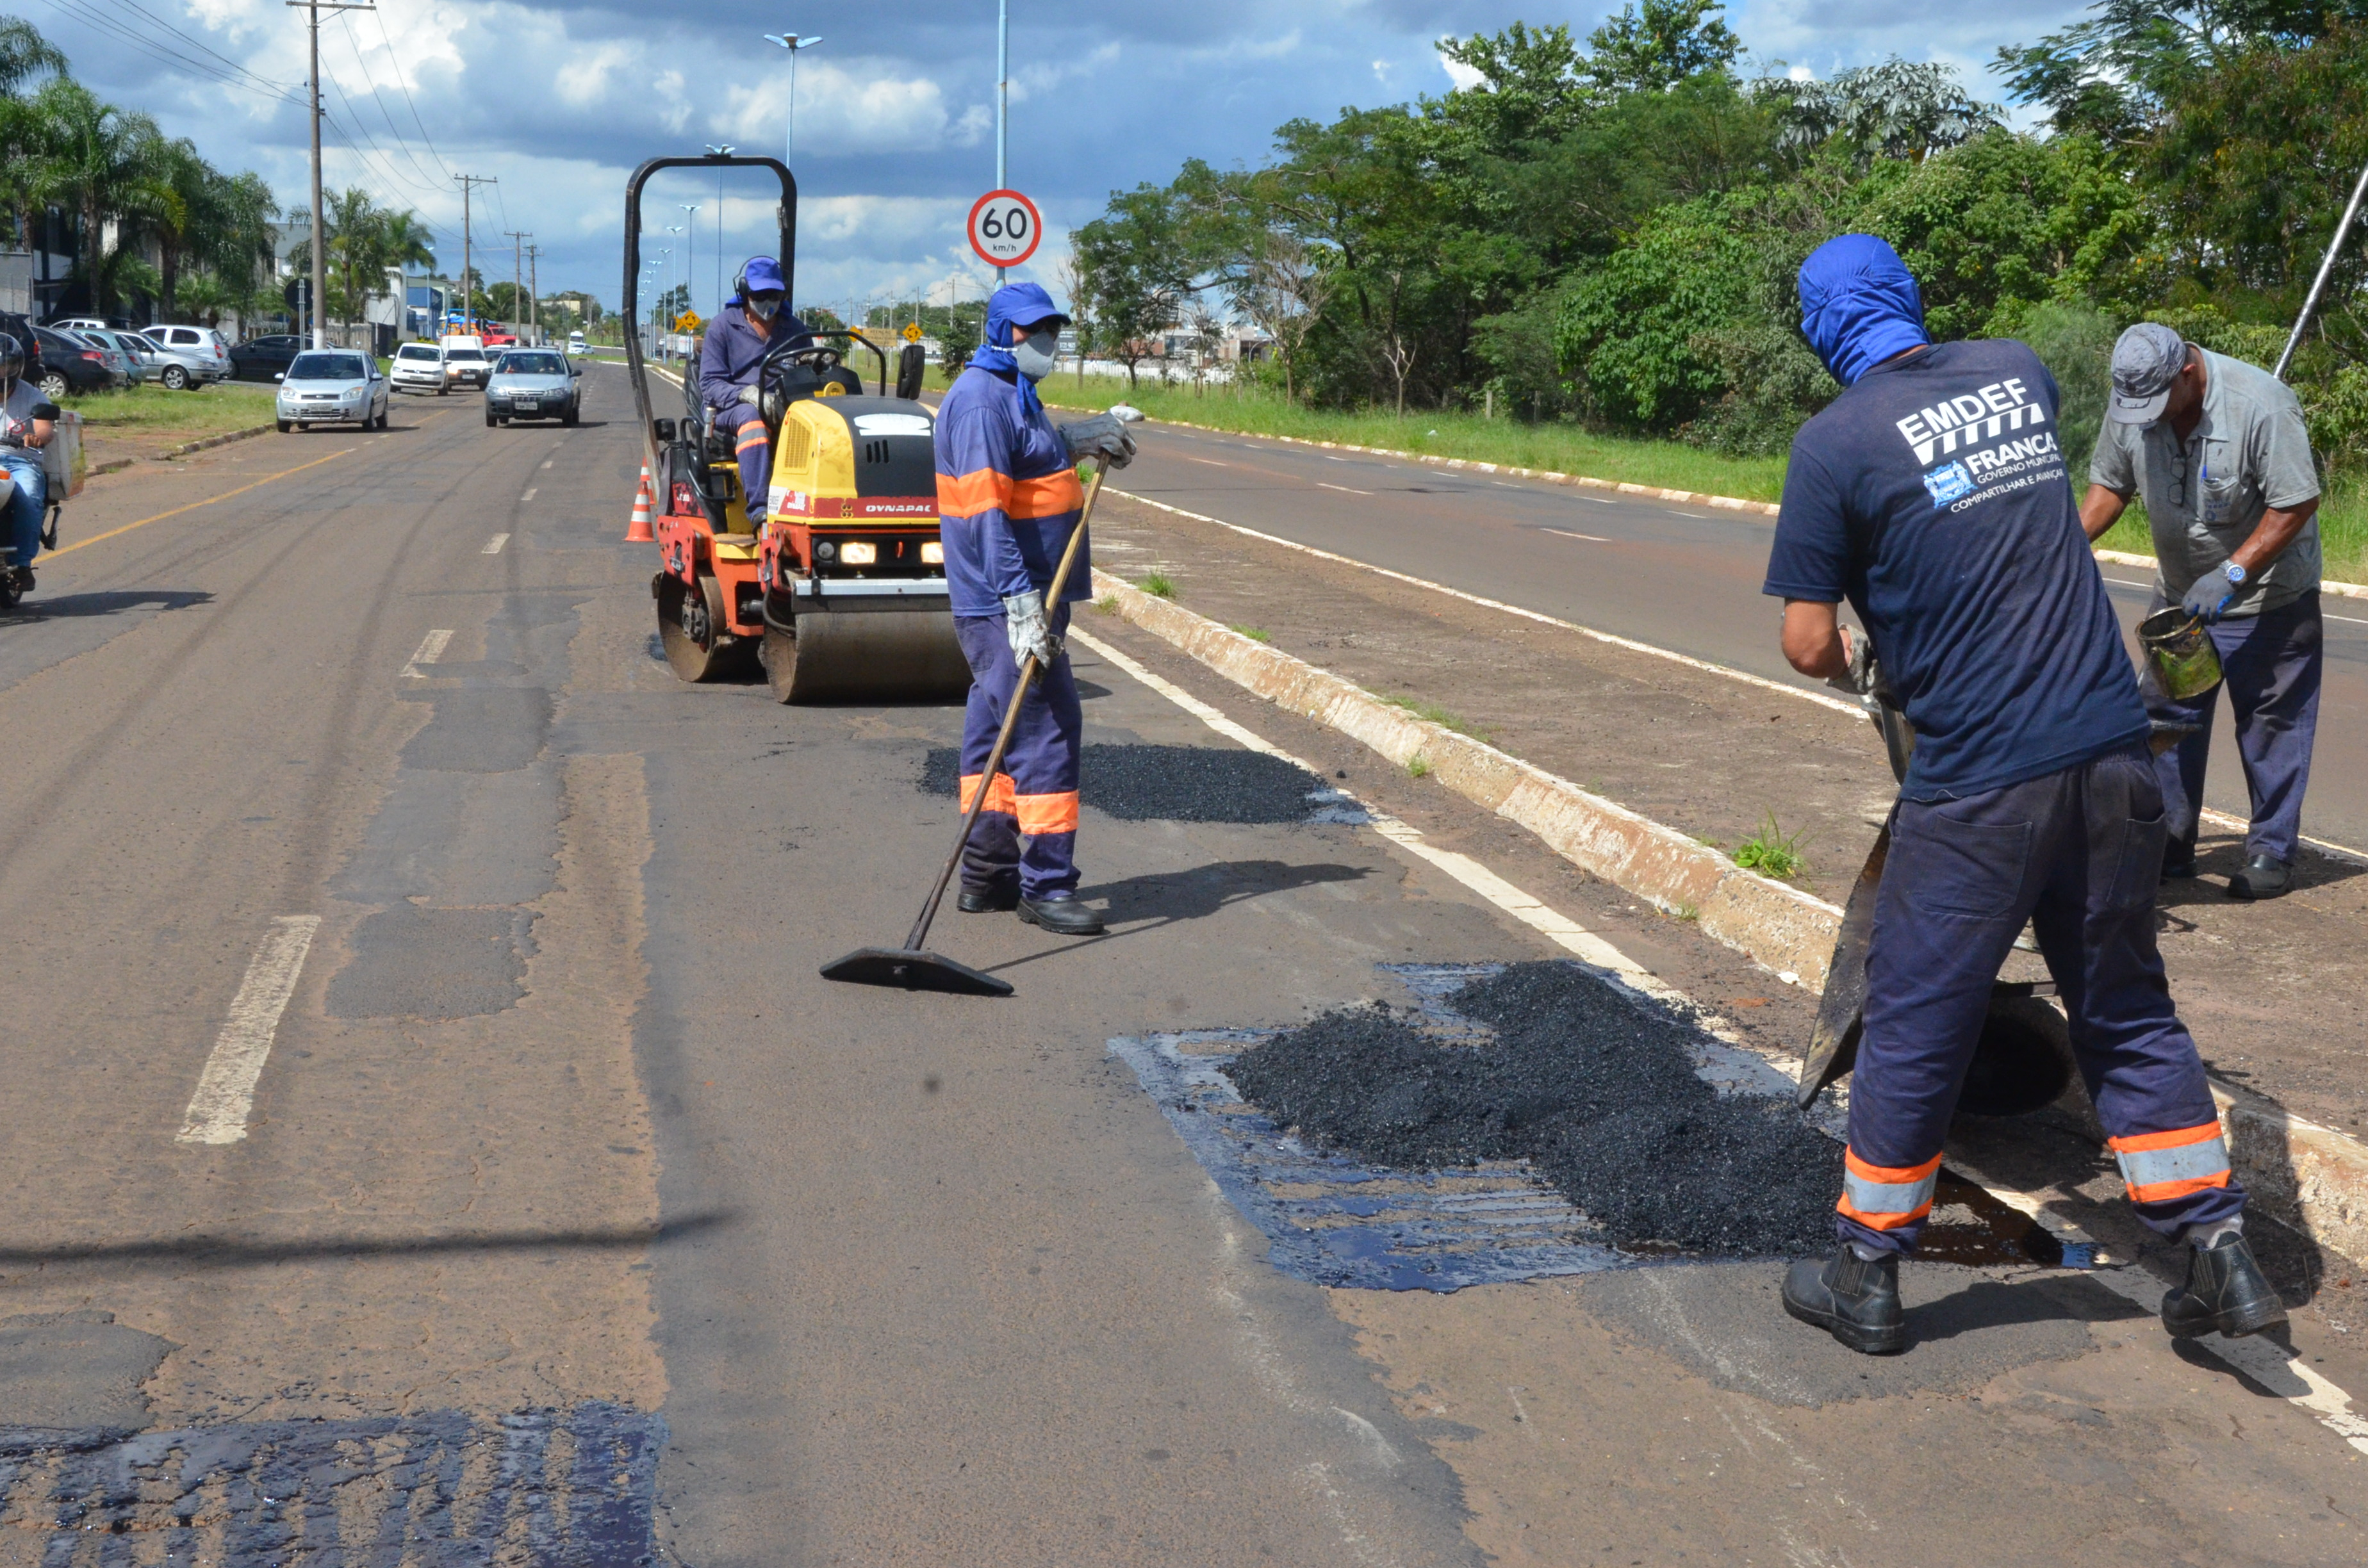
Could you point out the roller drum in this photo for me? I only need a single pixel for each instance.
(845, 654)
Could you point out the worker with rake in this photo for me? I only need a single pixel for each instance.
(1933, 496)
(1007, 498)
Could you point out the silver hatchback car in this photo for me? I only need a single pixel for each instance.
(533, 383)
(332, 386)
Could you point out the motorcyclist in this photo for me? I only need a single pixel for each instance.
(27, 420)
(737, 340)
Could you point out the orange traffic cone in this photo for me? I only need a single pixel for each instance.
(638, 532)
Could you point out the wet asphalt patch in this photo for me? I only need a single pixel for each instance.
(1595, 1086)
(539, 1488)
(1147, 783)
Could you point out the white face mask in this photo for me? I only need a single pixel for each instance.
(763, 309)
(1036, 354)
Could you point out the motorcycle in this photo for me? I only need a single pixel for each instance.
(64, 468)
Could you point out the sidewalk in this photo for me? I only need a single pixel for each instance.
(2277, 993)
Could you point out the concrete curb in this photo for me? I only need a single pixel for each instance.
(2310, 1176)
(118, 464)
(1781, 927)
(2127, 558)
(1551, 476)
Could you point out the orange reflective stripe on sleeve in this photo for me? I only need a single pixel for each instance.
(978, 491)
(2158, 1166)
(1883, 1198)
(1048, 814)
(1047, 497)
(999, 795)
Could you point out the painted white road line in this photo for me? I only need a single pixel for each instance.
(225, 1096)
(1599, 500)
(1344, 489)
(547, 461)
(431, 648)
(1592, 539)
(2263, 1360)
(1630, 643)
(529, 494)
(1212, 462)
(494, 545)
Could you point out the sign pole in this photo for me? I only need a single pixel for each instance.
(1002, 101)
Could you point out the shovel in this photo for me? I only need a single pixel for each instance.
(913, 967)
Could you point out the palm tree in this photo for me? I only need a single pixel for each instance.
(106, 163)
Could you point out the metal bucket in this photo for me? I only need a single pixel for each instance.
(2181, 652)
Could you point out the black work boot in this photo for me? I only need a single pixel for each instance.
(1854, 1301)
(989, 900)
(1064, 916)
(2225, 1293)
(2264, 876)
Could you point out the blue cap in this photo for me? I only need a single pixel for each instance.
(1858, 305)
(763, 276)
(1018, 304)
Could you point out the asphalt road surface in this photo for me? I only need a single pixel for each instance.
(1684, 578)
(426, 1125)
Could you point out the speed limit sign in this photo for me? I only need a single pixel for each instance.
(1004, 228)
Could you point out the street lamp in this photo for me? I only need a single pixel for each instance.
(690, 249)
(718, 150)
(794, 43)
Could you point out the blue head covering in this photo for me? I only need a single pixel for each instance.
(1014, 304)
(764, 276)
(1858, 305)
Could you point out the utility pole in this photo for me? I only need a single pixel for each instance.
(718, 150)
(1002, 99)
(320, 257)
(690, 250)
(469, 184)
(534, 290)
(517, 271)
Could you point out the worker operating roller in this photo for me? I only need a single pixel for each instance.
(1008, 497)
(1933, 496)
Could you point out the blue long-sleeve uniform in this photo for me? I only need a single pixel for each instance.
(1007, 496)
(1007, 501)
(727, 361)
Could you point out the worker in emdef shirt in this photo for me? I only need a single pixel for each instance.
(1933, 495)
(735, 341)
(1007, 499)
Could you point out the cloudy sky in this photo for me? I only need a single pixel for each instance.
(895, 107)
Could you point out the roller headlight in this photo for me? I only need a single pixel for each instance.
(933, 553)
(825, 550)
(858, 553)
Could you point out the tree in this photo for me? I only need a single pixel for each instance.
(106, 165)
(1135, 267)
(1283, 287)
(2111, 74)
(25, 55)
(1669, 42)
(1896, 110)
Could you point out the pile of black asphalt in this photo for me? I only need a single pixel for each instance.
(1590, 1084)
(1145, 783)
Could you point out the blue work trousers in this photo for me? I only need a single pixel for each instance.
(755, 450)
(1028, 833)
(2271, 665)
(2077, 854)
(29, 493)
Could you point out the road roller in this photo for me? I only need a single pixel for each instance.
(842, 594)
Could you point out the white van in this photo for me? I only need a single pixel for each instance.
(466, 363)
(576, 346)
(418, 367)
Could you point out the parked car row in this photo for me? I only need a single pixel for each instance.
(82, 354)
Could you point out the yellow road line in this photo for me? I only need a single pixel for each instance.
(69, 549)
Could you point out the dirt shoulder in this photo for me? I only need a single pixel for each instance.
(2277, 993)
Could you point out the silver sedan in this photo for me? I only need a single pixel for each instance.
(332, 386)
(533, 383)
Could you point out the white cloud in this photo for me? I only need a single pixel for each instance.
(1463, 75)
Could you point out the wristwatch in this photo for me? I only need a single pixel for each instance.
(2234, 573)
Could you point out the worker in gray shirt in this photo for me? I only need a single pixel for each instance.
(2217, 450)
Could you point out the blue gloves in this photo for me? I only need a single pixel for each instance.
(2213, 593)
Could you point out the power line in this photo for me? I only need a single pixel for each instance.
(354, 42)
(401, 81)
(245, 81)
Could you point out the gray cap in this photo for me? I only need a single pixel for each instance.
(2147, 359)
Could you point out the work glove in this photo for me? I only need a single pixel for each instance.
(750, 395)
(1029, 632)
(2213, 592)
(1104, 437)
